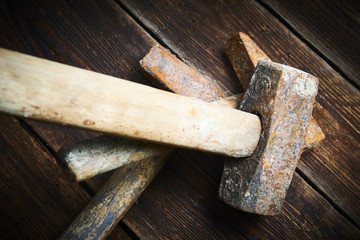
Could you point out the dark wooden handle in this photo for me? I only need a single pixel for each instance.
(114, 199)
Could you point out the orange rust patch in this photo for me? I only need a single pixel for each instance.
(314, 135)
(244, 54)
(179, 77)
(286, 115)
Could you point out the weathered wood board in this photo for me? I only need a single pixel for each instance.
(37, 200)
(331, 27)
(337, 110)
(182, 201)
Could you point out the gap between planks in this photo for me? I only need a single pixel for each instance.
(308, 43)
(342, 74)
(40, 141)
(327, 198)
(147, 30)
(302, 39)
(134, 19)
(161, 41)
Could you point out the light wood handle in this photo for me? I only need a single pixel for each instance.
(127, 183)
(101, 154)
(97, 155)
(49, 91)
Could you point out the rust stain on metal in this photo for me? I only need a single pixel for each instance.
(179, 77)
(313, 136)
(283, 97)
(105, 152)
(244, 54)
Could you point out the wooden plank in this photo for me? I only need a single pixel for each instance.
(19, 34)
(198, 33)
(45, 38)
(50, 37)
(305, 215)
(332, 27)
(37, 200)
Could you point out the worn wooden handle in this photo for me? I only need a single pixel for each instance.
(101, 154)
(97, 155)
(114, 199)
(49, 91)
(126, 184)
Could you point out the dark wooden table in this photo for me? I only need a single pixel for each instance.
(37, 201)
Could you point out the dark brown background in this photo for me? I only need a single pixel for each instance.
(322, 37)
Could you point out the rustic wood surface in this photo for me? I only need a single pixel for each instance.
(331, 27)
(37, 201)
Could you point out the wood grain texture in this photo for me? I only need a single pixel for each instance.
(66, 37)
(305, 214)
(198, 33)
(126, 184)
(332, 27)
(36, 88)
(37, 200)
(86, 159)
(25, 29)
(94, 156)
(114, 199)
(182, 202)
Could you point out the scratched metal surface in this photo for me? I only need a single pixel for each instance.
(283, 97)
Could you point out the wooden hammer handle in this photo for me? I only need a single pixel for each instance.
(54, 92)
(97, 155)
(114, 199)
(127, 183)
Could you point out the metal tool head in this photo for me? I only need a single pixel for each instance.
(180, 78)
(244, 54)
(283, 97)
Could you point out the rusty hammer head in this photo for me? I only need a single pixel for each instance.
(283, 97)
(244, 54)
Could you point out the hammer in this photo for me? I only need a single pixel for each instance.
(26, 112)
(40, 89)
(101, 154)
(181, 79)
